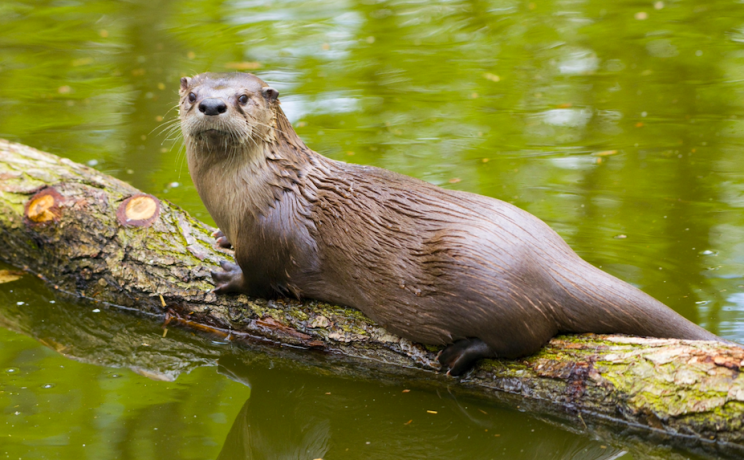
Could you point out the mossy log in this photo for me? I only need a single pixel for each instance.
(97, 238)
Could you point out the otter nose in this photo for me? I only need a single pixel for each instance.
(212, 106)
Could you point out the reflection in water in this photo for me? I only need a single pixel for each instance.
(604, 119)
(298, 404)
(731, 315)
(314, 417)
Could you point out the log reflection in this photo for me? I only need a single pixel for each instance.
(290, 416)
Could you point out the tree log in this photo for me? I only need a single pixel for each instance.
(98, 239)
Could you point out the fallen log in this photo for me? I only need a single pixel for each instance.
(116, 339)
(94, 237)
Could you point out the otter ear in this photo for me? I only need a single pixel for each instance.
(270, 93)
(185, 81)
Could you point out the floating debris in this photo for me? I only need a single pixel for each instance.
(605, 153)
(247, 65)
(7, 276)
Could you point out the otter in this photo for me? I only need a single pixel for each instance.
(436, 266)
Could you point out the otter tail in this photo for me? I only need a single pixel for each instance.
(595, 301)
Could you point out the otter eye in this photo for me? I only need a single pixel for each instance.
(192, 97)
(243, 99)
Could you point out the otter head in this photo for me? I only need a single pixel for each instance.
(220, 110)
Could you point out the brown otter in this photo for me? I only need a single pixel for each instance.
(435, 266)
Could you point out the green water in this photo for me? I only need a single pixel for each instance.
(621, 124)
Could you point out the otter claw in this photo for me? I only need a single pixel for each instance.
(228, 266)
(220, 289)
(228, 281)
(221, 239)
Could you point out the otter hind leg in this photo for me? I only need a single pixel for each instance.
(463, 354)
(229, 280)
(221, 239)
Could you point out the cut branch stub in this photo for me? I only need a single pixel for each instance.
(138, 211)
(43, 207)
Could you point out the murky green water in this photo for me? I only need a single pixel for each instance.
(618, 123)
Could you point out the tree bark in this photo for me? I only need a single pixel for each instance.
(99, 239)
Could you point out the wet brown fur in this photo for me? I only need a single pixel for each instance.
(429, 264)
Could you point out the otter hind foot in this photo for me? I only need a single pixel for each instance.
(221, 239)
(229, 280)
(462, 355)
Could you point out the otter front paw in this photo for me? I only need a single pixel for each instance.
(228, 281)
(221, 239)
(462, 355)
